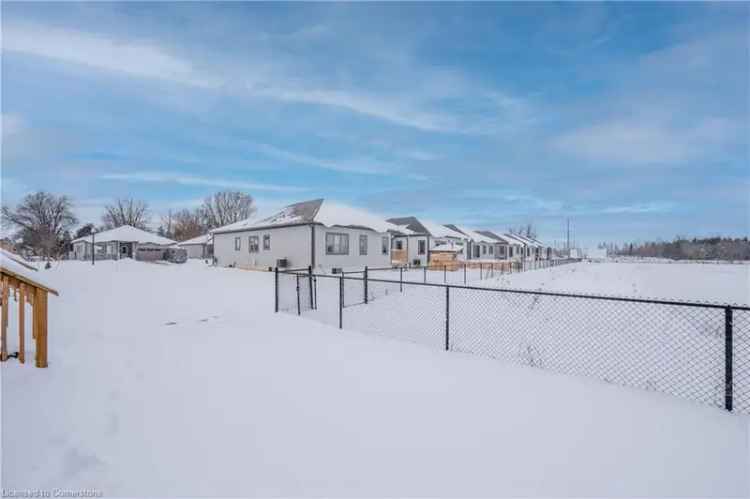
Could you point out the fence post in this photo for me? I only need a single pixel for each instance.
(445, 273)
(401, 279)
(276, 289)
(425, 274)
(299, 311)
(310, 277)
(447, 317)
(464, 273)
(480, 271)
(365, 286)
(341, 301)
(728, 350)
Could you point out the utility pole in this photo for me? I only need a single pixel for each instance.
(567, 240)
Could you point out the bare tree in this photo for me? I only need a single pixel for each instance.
(41, 220)
(166, 229)
(226, 207)
(126, 212)
(527, 230)
(188, 224)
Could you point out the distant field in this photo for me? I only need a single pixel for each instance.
(715, 282)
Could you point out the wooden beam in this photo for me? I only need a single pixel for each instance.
(21, 323)
(40, 321)
(4, 321)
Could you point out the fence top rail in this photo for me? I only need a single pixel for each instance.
(684, 303)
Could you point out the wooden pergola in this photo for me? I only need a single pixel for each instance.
(24, 289)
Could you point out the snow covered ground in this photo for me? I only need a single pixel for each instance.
(179, 380)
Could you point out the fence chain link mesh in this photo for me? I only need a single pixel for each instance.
(674, 348)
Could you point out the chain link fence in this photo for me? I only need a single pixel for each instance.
(696, 351)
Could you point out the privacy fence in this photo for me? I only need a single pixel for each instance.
(697, 351)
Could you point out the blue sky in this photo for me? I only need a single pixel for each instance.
(631, 119)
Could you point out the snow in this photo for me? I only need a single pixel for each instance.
(329, 214)
(127, 234)
(438, 230)
(686, 281)
(475, 236)
(16, 265)
(204, 239)
(159, 388)
(336, 214)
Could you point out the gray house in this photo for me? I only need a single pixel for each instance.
(416, 241)
(121, 242)
(315, 233)
(199, 247)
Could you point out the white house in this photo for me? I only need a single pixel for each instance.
(199, 247)
(415, 241)
(503, 245)
(125, 241)
(315, 233)
(522, 248)
(535, 249)
(479, 246)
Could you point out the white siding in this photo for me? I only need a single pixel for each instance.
(374, 257)
(292, 243)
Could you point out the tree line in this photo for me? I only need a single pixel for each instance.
(682, 248)
(45, 224)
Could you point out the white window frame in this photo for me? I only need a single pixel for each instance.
(331, 243)
(385, 245)
(363, 245)
(237, 243)
(266, 242)
(421, 247)
(253, 244)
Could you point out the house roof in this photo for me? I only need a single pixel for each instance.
(316, 211)
(127, 234)
(417, 226)
(13, 265)
(527, 240)
(204, 239)
(514, 239)
(498, 238)
(471, 234)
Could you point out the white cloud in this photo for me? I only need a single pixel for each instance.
(368, 166)
(193, 180)
(649, 207)
(643, 142)
(378, 106)
(123, 56)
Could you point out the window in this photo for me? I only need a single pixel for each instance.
(252, 244)
(237, 243)
(476, 251)
(384, 245)
(492, 249)
(337, 244)
(484, 249)
(399, 244)
(266, 242)
(501, 251)
(421, 247)
(362, 244)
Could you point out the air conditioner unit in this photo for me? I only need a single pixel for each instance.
(282, 263)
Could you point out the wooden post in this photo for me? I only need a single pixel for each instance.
(40, 324)
(21, 323)
(4, 322)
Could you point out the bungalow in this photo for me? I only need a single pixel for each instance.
(479, 246)
(525, 247)
(418, 242)
(535, 248)
(503, 245)
(199, 247)
(315, 233)
(124, 241)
